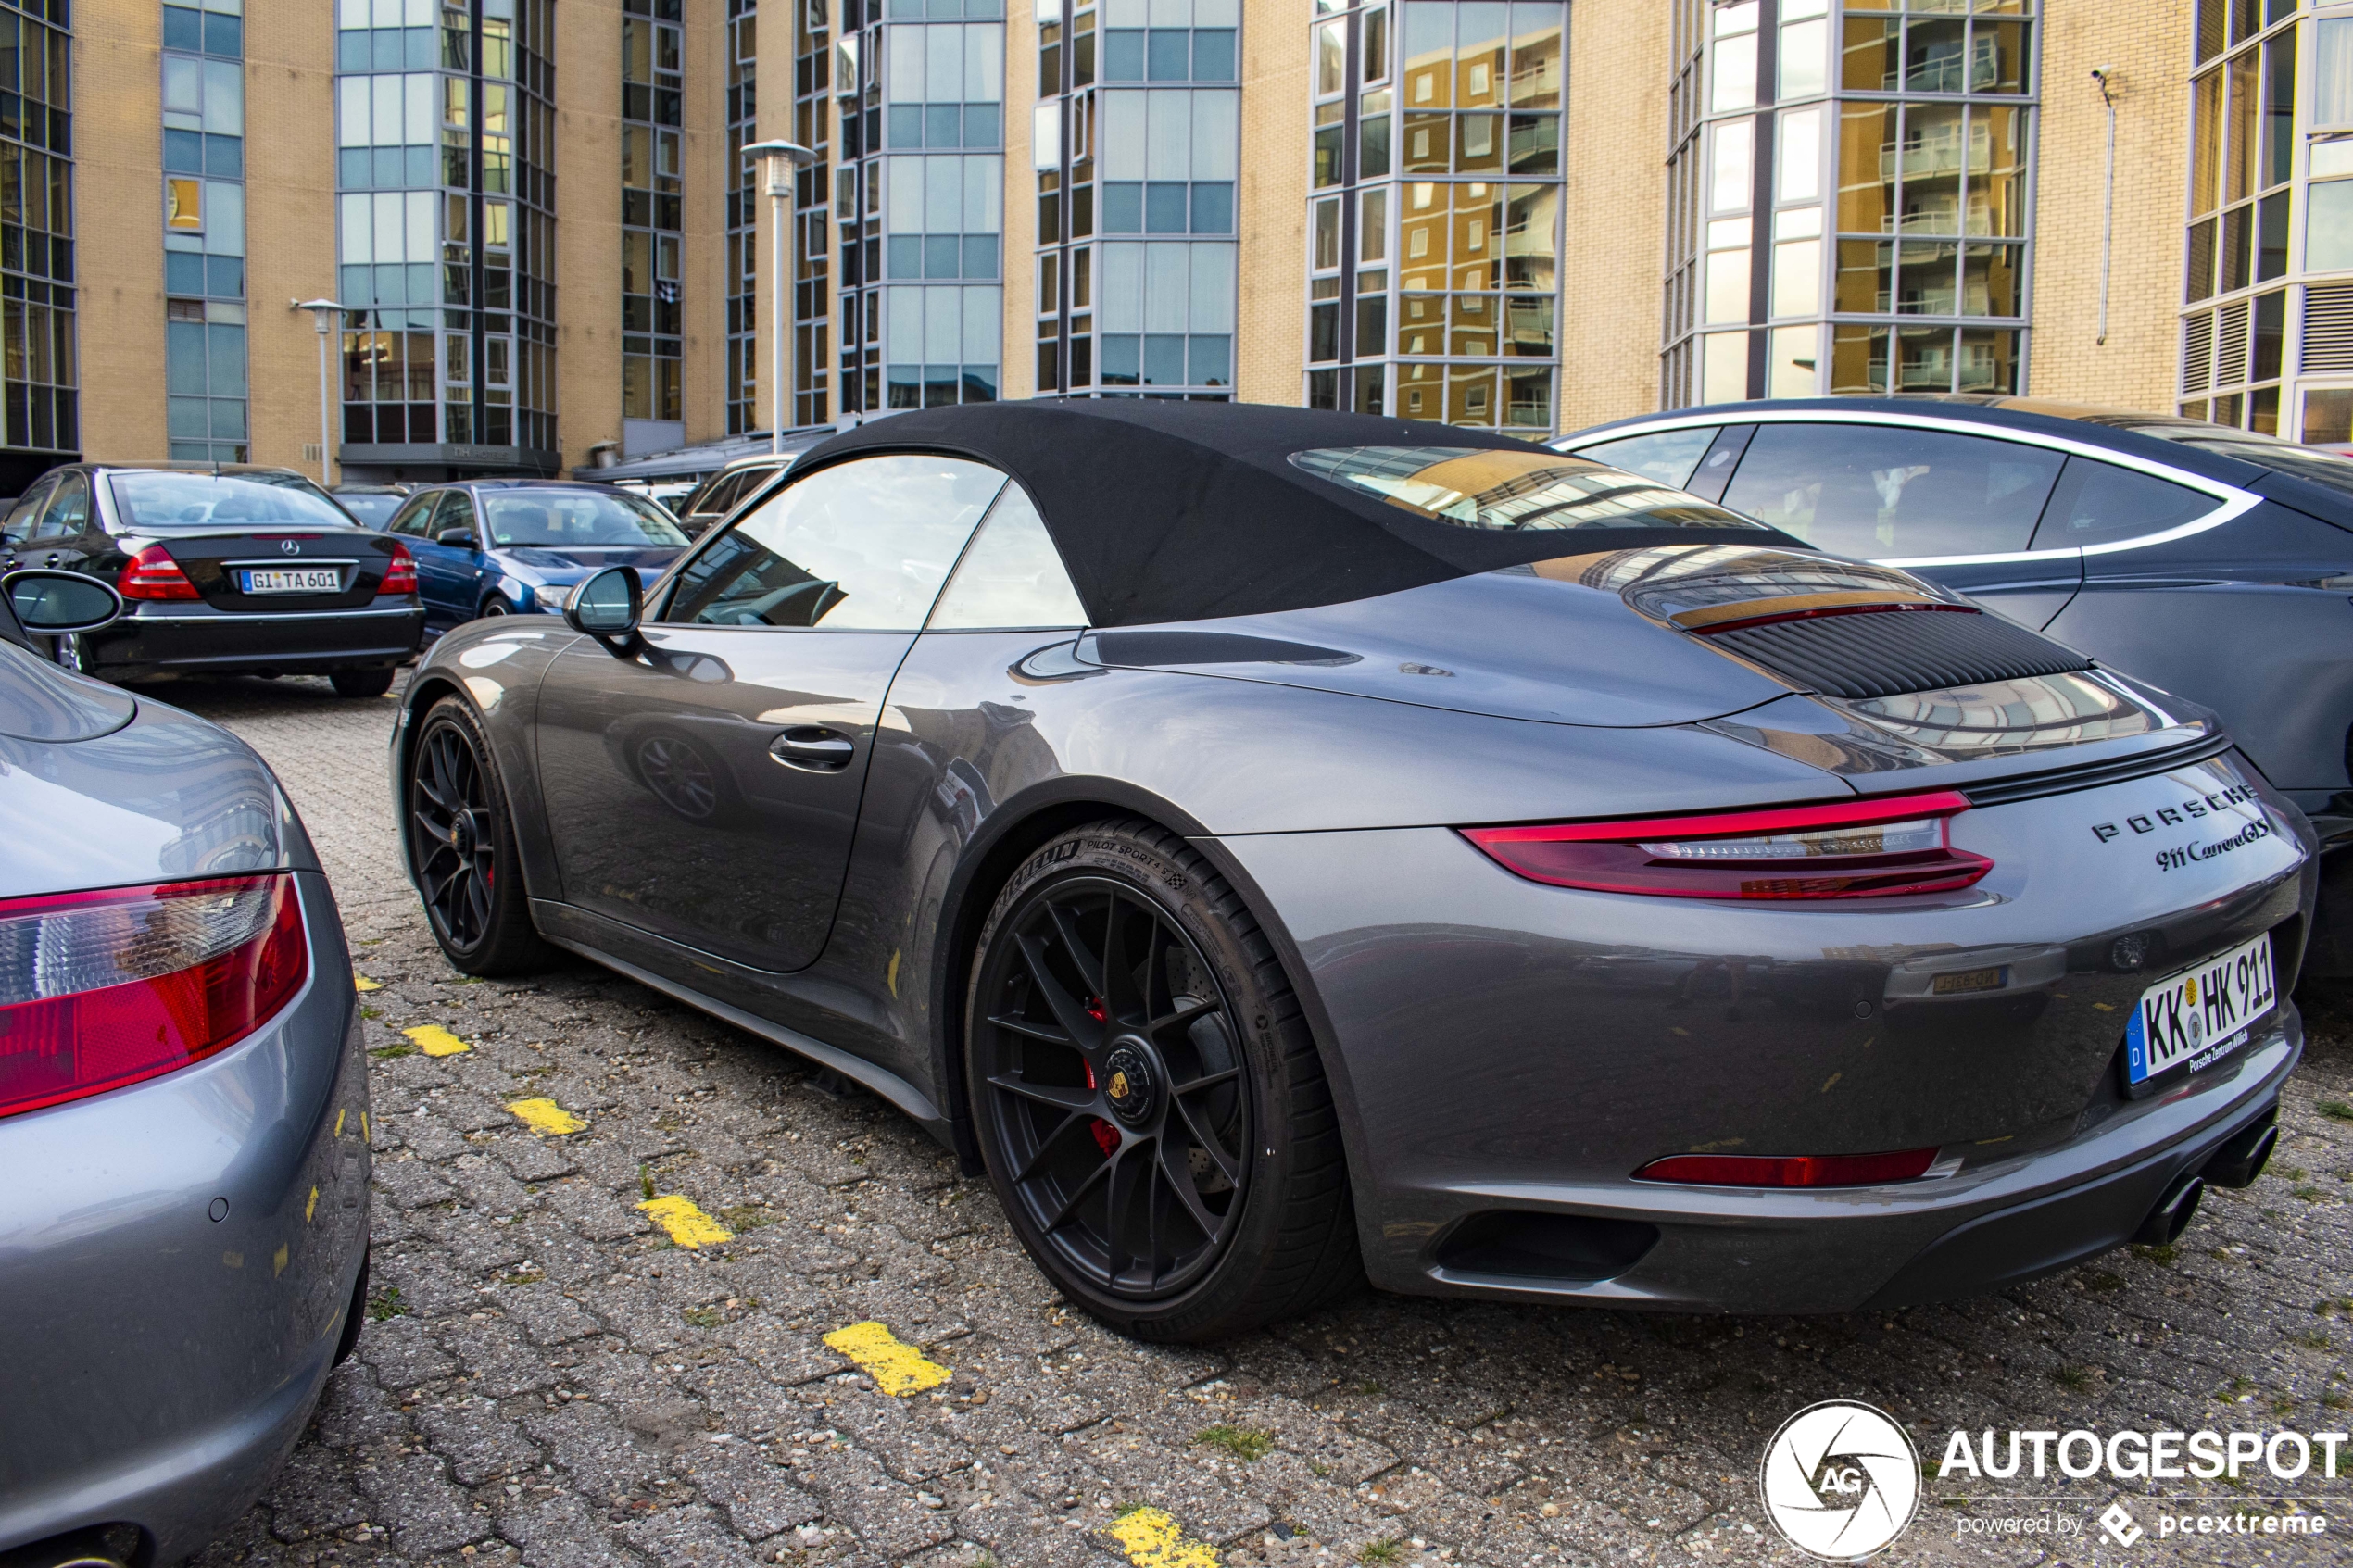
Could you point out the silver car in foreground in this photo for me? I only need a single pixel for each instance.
(183, 1112)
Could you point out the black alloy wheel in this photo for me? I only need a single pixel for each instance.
(1151, 1109)
(461, 848)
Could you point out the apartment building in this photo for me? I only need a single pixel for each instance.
(548, 246)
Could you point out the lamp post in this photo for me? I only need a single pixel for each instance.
(784, 158)
(323, 313)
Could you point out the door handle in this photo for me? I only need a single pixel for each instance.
(814, 750)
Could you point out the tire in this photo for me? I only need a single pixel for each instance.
(354, 1316)
(495, 605)
(461, 843)
(1166, 1146)
(361, 683)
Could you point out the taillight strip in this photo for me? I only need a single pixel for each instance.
(1779, 853)
(1861, 813)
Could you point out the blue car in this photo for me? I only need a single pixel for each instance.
(505, 546)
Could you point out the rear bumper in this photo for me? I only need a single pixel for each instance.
(1501, 1051)
(171, 1406)
(198, 639)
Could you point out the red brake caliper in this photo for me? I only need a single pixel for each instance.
(1106, 1136)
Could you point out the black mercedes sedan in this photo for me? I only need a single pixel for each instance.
(1284, 848)
(223, 571)
(2212, 563)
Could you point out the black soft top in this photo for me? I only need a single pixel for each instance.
(1167, 510)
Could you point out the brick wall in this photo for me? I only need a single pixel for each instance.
(2146, 47)
(587, 158)
(119, 226)
(1020, 351)
(290, 224)
(1271, 212)
(1614, 211)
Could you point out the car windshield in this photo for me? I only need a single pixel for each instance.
(567, 519)
(159, 500)
(1500, 488)
(375, 510)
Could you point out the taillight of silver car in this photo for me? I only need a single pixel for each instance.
(1848, 850)
(105, 988)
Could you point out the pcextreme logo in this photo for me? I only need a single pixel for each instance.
(1841, 1480)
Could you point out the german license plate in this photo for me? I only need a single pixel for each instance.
(2202, 1014)
(294, 580)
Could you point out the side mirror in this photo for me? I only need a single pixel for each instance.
(58, 604)
(608, 605)
(456, 538)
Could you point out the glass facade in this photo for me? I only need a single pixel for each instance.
(445, 235)
(1434, 216)
(37, 395)
(920, 202)
(2267, 328)
(1136, 151)
(811, 252)
(652, 222)
(1850, 195)
(208, 414)
(743, 217)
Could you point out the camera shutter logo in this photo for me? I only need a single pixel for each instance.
(1841, 1480)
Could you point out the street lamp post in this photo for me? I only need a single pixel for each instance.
(784, 158)
(323, 313)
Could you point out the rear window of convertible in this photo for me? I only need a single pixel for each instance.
(1509, 491)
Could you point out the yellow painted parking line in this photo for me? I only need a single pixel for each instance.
(361, 983)
(339, 1116)
(897, 1368)
(311, 1210)
(688, 1225)
(546, 1117)
(433, 1040)
(1152, 1539)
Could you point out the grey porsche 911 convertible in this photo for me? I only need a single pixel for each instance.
(1280, 847)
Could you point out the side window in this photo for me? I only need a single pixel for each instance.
(1668, 456)
(717, 497)
(411, 519)
(1884, 492)
(68, 515)
(863, 546)
(2097, 503)
(18, 524)
(1012, 577)
(456, 511)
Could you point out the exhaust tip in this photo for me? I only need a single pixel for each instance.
(2238, 1163)
(2172, 1216)
(108, 1545)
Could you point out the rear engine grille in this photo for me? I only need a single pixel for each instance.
(1888, 653)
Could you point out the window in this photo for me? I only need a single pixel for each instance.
(1507, 490)
(1669, 457)
(1011, 576)
(2098, 502)
(1886, 492)
(411, 519)
(567, 519)
(18, 524)
(863, 545)
(69, 513)
(162, 500)
(456, 511)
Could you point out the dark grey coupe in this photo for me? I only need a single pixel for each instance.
(1282, 846)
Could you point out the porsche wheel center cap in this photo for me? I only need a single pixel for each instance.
(462, 834)
(1129, 1081)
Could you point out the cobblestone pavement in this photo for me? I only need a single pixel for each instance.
(547, 1378)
